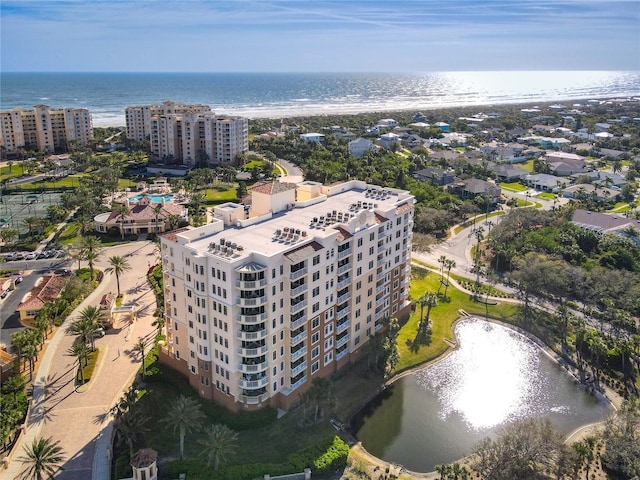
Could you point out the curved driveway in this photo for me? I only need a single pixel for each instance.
(78, 417)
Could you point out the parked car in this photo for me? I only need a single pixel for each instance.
(31, 256)
(18, 280)
(62, 271)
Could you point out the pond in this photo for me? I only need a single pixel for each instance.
(438, 414)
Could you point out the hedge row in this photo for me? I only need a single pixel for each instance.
(323, 457)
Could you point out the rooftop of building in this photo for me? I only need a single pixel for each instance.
(340, 214)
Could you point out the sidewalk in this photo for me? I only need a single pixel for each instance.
(78, 417)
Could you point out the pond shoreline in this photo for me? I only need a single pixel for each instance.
(361, 452)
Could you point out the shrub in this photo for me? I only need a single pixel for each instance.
(91, 365)
(122, 467)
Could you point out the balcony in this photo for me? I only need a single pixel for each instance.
(300, 368)
(340, 355)
(380, 301)
(253, 368)
(252, 319)
(344, 282)
(298, 290)
(380, 288)
(381, 275)
(298, 323)
(298, 353)
(298, 338)
(343, 313)
(298, 384)
(253, 352)
(252, 384)
(344, 268)
(381, 248)
(343, 340)
(298, 306)
(344, 297)
(251, 285)
(380, 314)
(251, 400)
(378, 326)
(252, 302)
(341, 327)
(252, 336)
(344, 253)
(298, 273)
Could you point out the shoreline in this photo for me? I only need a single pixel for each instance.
(109, 120)
(579, 432)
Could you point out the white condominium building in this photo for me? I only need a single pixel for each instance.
(260, 301)
(139, 117)
(44, 128)
(198, 138)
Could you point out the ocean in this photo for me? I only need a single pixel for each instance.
(278, 95)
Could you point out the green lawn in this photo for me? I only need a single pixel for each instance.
(220, 194)
(271, 442)
(69, 234)
(528, 165)
(126, 183)
(547, 196)
(91, 365)
(442, 317)
(5, 174)
(513, 187)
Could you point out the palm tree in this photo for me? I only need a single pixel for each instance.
(79, 351)
(84, 328)
(95, 318)
(140, 346)
(122, 210)
(429, 299)
(219, 443)
(92, 247)
(84, 223)
(118, 266)
(129, 425)
(183, 417)
(41, 459)
(449, 264)
(157, 210)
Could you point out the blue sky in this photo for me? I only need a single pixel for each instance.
(299, 36)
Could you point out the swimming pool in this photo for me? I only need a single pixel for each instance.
(154, 198)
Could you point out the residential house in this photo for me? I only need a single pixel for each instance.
(577, 160)
(505, 172)
(436, 176)
(142, 217)
(545, 182)
(412, 141)
(387, 140)
(453, 139)
(603, 178)
(387, 123)
(604, 223)
(564, 169)
(46, 290)
(474, 187)
(312, 137)
(587, 190)
(442, 126)
(360, 146)
(601, 127)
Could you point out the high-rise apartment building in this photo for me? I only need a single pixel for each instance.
(259, 302)
(44, 128)
(188, 133)
(138, 118)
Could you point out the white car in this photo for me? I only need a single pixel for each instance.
(31, 256)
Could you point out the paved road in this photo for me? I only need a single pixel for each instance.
(79, 418)
(294, 173)
(33, 270)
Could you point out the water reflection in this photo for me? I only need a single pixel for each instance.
(438, 414)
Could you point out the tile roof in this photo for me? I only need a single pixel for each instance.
(45, 291)
(172, 235)
(271, 188)
(143, 212)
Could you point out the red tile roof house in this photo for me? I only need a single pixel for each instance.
(141, 217)
(46, 290)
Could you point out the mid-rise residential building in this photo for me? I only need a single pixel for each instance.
(44, 128)
(138, 118)
(263, 299)
(188, 133)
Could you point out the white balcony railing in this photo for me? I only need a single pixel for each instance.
(298, 306)
(249, 336)
(251, 319)
(253, 352)
(344, 253)
(298, 273)
(298, 338)
(342, 341)
(298, 290)
(251, 384)
(255, 368)
(341, 327)
(250, 285)
(298, 323)
(298, 353)
(300, 368)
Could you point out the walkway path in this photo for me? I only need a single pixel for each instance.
(78, 417)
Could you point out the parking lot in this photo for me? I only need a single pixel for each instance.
(45, 254)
